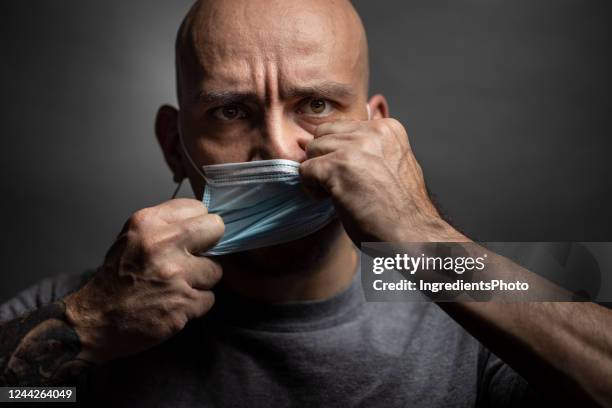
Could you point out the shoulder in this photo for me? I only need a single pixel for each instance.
(46, 291)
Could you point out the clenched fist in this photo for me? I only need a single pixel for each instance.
(370, 172)
(151, 283)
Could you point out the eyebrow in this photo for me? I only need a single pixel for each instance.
(331, 90)
(225, 97)
(328, 90)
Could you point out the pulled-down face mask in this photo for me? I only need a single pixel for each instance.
(262, 203)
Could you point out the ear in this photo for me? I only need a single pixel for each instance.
(166, 130)
(379, 107)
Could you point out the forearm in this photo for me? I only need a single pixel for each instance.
(562, 347)
(40, 348)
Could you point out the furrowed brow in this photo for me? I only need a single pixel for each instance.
(225, 97)
(328, 90)
(331, 90)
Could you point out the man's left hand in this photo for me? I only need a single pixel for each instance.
(369, 170)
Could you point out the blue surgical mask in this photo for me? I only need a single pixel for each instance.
(262, 203)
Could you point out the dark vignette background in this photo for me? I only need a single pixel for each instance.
(507, 104)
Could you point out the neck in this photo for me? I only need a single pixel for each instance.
(285, 274)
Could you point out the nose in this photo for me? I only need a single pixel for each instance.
(281, 138)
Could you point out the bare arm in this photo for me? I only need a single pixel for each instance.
(148, 288)
(562, 348)
(40, 348)
(369, 170)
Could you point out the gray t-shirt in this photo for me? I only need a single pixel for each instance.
(339, 352)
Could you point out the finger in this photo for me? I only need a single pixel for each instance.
(198, 234)
(180, 209)
(315, 176)
(202, 273)
(341, 126)
(327, 144)
(201, 301)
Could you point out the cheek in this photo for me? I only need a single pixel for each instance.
(216, 143)
(310, 123)
(227, 148)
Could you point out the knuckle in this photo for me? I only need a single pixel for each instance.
(148, 246)
(379, 125)
(164, 274)
(192, 203)
(132, 237)
(217, 224)
(215, 272)
(397, 130)
(139, 219)
(176, 321)
(208, 300)
(183, 229)
(388, 129)
(394, 124)
(167, 270)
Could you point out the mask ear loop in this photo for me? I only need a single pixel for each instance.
(178, 187)
(186, 153)
(369, 111)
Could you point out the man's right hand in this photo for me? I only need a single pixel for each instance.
(151, 283)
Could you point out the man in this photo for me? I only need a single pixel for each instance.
(158, 324)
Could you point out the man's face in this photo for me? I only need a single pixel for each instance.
(256, 79)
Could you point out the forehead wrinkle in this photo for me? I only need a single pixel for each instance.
(270, 84)
(204, 37)
(326, 89)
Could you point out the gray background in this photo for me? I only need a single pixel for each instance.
(507, 104)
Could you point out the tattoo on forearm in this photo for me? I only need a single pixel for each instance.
(40, 348)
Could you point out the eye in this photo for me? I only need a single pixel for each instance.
(229, 112)
(316, 107)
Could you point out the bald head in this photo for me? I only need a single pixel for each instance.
(255, 79)
(220, 40)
